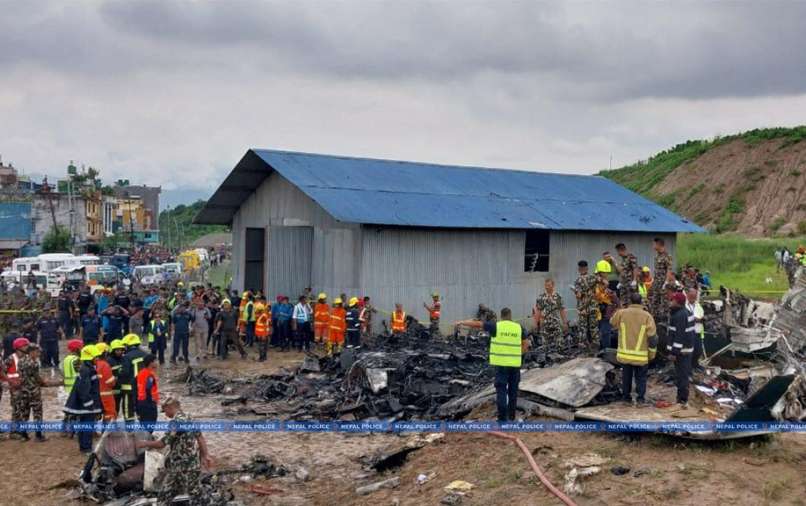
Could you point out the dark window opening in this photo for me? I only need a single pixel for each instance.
(254, 258)
(536, 254)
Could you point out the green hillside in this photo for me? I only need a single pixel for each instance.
(643, 176)
(177, 229)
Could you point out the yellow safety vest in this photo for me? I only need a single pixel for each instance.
(642, 289)
(632, 353)
(505, 347)
(69, 372)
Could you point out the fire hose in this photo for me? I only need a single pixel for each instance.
(536, 468)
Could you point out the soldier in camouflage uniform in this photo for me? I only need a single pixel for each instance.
(689, 279)
(187, 451)
(550, 315)
(658, 301)
(587, 310)
(628, 272)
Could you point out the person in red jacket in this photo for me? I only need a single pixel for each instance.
(148, 395)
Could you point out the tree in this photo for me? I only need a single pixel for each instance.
(57, 240)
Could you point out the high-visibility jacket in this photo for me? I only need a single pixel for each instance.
(338, 325)
(115, 365)
(156, 327)
(636, 335)
(642, 290)
(147, 390)
(132, 361)
(321, 318)
(13, 372)
(249, 311)
(505, 345)
(241, 310)
(263, 326)
(106, 383)
(398, 321)
(69, 365)
(436, 310)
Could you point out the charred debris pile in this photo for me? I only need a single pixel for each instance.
(389, 379)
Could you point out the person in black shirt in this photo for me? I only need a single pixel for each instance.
(84, 300)
(680, 346)
(66, 310)
(49, 330)
(115, 324)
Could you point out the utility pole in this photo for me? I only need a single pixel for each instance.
(131, 223)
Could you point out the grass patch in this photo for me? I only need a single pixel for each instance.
(795, 173)
(737, 262)
(802, 227)
(774, 490)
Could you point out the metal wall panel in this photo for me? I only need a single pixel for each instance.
(289, 261)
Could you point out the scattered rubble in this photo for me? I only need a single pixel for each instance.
(374, 487)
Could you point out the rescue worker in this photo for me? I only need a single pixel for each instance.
(84, 402)
(106, 383)
(353, 323)
(398, 320)
(434, 314)
(628, 272)
(658, 301)
(587, 317)
(50, 331)
(132, 363)
(645, 284)
(321, 320)
(187, 453)
(696, 313)
(157, 335)
(71, 364)
(550, 316)
(19, 398)
(338, 325)
(115, 359)
(246, 312)
(227, 330)
(181, 320)
(199, 328)
(507, 344)
(148, 395)
(116, 319)
(263, 329)
(367, 310)
(301, 318)
(680, 346)
(637, 346)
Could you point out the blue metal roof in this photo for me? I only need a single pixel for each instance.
(15, 221)
(385, 192)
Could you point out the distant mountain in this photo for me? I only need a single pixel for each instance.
(177, 229)
(753, 183)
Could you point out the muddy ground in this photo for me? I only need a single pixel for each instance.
(662, 470)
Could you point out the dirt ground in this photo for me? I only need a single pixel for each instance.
(662, 470)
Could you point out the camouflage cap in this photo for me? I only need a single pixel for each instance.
(169, 401)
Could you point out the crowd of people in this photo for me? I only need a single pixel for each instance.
(619, 305)
(790, 262)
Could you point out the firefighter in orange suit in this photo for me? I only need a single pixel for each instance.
(398, 321)
(106, 383)
(338, 326)
(263, 328)
(321, 319)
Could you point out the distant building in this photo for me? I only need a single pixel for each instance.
(15, 228)
(397, 231)
(138, 210)
(8, 176)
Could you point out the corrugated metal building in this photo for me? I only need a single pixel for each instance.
(397, 231)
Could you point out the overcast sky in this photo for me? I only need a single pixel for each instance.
(173, 93)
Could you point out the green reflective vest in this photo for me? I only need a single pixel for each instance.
(249, 311)
(151, 326)
(505, 346)
(69, 371)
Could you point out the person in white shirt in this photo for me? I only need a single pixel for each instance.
(301, 324)
(695, 317)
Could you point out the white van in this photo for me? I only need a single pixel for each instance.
(148, 274)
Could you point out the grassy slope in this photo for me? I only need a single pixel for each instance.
(737, 262)
(183, 216)
(644, 176)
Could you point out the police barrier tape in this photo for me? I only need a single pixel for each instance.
(263, 426)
